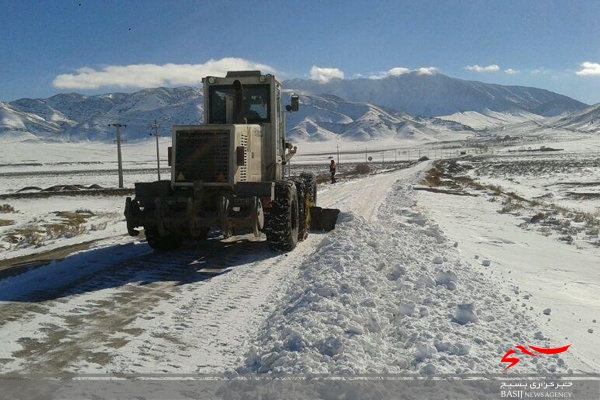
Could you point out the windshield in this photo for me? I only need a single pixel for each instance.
(256, 103)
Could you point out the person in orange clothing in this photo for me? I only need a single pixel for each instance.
(332, 169)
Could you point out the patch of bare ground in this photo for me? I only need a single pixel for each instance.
(7, 208)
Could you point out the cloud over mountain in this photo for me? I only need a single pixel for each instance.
(397, 71)
(325, 74)
(152, 75)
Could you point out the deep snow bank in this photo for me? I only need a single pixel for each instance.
(392, 295)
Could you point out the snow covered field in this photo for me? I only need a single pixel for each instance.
(410, 281)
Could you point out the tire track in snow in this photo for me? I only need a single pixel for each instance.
(364, 196)
(229, 314)
(81, 328)
(169, 312)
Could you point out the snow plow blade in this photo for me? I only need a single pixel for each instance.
(323, 219)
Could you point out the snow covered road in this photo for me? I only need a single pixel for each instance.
(364, 196)
(196, 311)
(387, 291)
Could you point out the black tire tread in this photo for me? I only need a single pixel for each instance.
(310, 181)
(303, 208)
(281, 229)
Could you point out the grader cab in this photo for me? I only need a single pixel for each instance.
(228, 173)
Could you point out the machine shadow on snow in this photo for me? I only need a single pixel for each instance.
(194, 262)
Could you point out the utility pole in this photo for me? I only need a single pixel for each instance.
(155, 125)
(120, 161)
(338, 153)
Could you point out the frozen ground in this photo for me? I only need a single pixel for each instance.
(410, 281)
(533, 221)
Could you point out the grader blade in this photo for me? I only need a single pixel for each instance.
(323, 219)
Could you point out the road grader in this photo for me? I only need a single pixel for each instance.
(228, 173)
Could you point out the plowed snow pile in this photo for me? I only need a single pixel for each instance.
(393, 295)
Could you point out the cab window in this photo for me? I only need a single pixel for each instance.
(256, 103)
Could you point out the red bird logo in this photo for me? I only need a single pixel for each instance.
(514, 360)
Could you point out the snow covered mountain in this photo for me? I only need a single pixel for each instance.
(587, 120)
(76, 117)
(357, 110)
(14, 121)
(491, 119)
(329, 117)
(436, 94)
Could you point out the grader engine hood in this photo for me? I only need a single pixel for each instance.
(215, 154)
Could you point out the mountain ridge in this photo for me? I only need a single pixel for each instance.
(437, 94)
(359, 109)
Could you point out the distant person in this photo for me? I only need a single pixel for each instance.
(332, 169)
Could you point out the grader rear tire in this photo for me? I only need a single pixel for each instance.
(282, 223)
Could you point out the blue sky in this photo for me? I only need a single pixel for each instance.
(94, 46)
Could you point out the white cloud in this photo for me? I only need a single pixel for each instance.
(487, 68)
(151, 75)
(540, 71)
(426, 70)
(589, 69)
(397, 71)
(511, 71)
(325, 74)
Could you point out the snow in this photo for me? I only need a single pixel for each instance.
(409, 281)
(544, 274)
(45, 164)
(489, 119)
(376, 299)
(324, 118)
(103, 220)
(9, 120)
